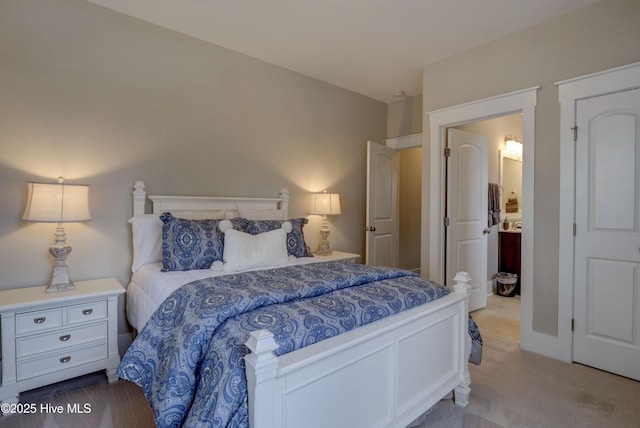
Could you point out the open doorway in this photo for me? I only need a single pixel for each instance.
(433, 234)
(504, 227)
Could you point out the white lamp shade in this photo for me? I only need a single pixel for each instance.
(325, 204)
(57, 203)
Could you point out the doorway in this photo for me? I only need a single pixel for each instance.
(523, 102)
(503, 244)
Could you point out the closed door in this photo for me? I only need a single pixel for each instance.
(467, 188)
(381, 228)
(607, 240)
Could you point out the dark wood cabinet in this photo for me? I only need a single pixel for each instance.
(509, 254)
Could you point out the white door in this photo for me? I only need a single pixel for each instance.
(607, 240)
(381, 227)
(467, 189)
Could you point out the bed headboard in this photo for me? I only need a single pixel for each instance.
(205, 203)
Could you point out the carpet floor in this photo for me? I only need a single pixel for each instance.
(511, 388)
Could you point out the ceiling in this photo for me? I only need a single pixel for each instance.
(371, 47)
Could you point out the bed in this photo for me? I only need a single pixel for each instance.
(386, 372)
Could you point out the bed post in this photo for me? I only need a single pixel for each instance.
(463, 390)
(261, 369)
(139, 197)
(284, 204)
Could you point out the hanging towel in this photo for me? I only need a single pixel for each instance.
(494, 204)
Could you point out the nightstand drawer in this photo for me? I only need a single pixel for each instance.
(30, 368)
(60, 339)
(87, 312)
(45, 319)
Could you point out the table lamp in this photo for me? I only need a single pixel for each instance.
(325, 204)
(58, 203)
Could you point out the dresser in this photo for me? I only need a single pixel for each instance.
(49, 337)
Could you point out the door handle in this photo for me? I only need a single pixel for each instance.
(486, 231)
(370, 229)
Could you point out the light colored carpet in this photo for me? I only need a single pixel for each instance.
(515, 388)
(511, 388)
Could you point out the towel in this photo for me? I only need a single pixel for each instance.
(494, 204)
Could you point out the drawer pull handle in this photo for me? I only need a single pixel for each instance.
(39, 320)
(64, 360)
(65, 337)
(87, 311)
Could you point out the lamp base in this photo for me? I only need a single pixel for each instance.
(60, 280)
(54, 288)
(324, 249)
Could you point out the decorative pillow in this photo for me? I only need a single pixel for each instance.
(296, 245)
(147, 234)
(251, 213)
(245, 251)
(147, 240)
(192, 244)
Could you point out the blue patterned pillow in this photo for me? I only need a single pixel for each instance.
(192, 244)
(296, 246)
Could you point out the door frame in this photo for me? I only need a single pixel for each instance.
(523, 101)
(569, 92)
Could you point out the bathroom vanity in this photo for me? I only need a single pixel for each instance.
(509, 253)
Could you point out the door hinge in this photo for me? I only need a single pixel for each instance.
(446, 221)
(447, 152)
(573, 324)
(575, 133)
(575, 228)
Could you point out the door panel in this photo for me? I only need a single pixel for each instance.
(467, 188)
(612, 188)
(607, 242)
(382, 206)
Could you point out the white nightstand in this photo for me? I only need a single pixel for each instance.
(49, 337)
(339, 255)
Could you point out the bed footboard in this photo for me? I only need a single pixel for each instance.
(384, 374)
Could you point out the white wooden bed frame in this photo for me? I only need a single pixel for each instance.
(384, 374)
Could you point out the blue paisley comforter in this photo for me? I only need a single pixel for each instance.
(189, 357)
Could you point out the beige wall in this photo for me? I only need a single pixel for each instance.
(404, 117)
(410, 192)
(596, 38)
(104, 99)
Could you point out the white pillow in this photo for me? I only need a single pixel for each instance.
(251, 213)
(147, 240)
(244, 251)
